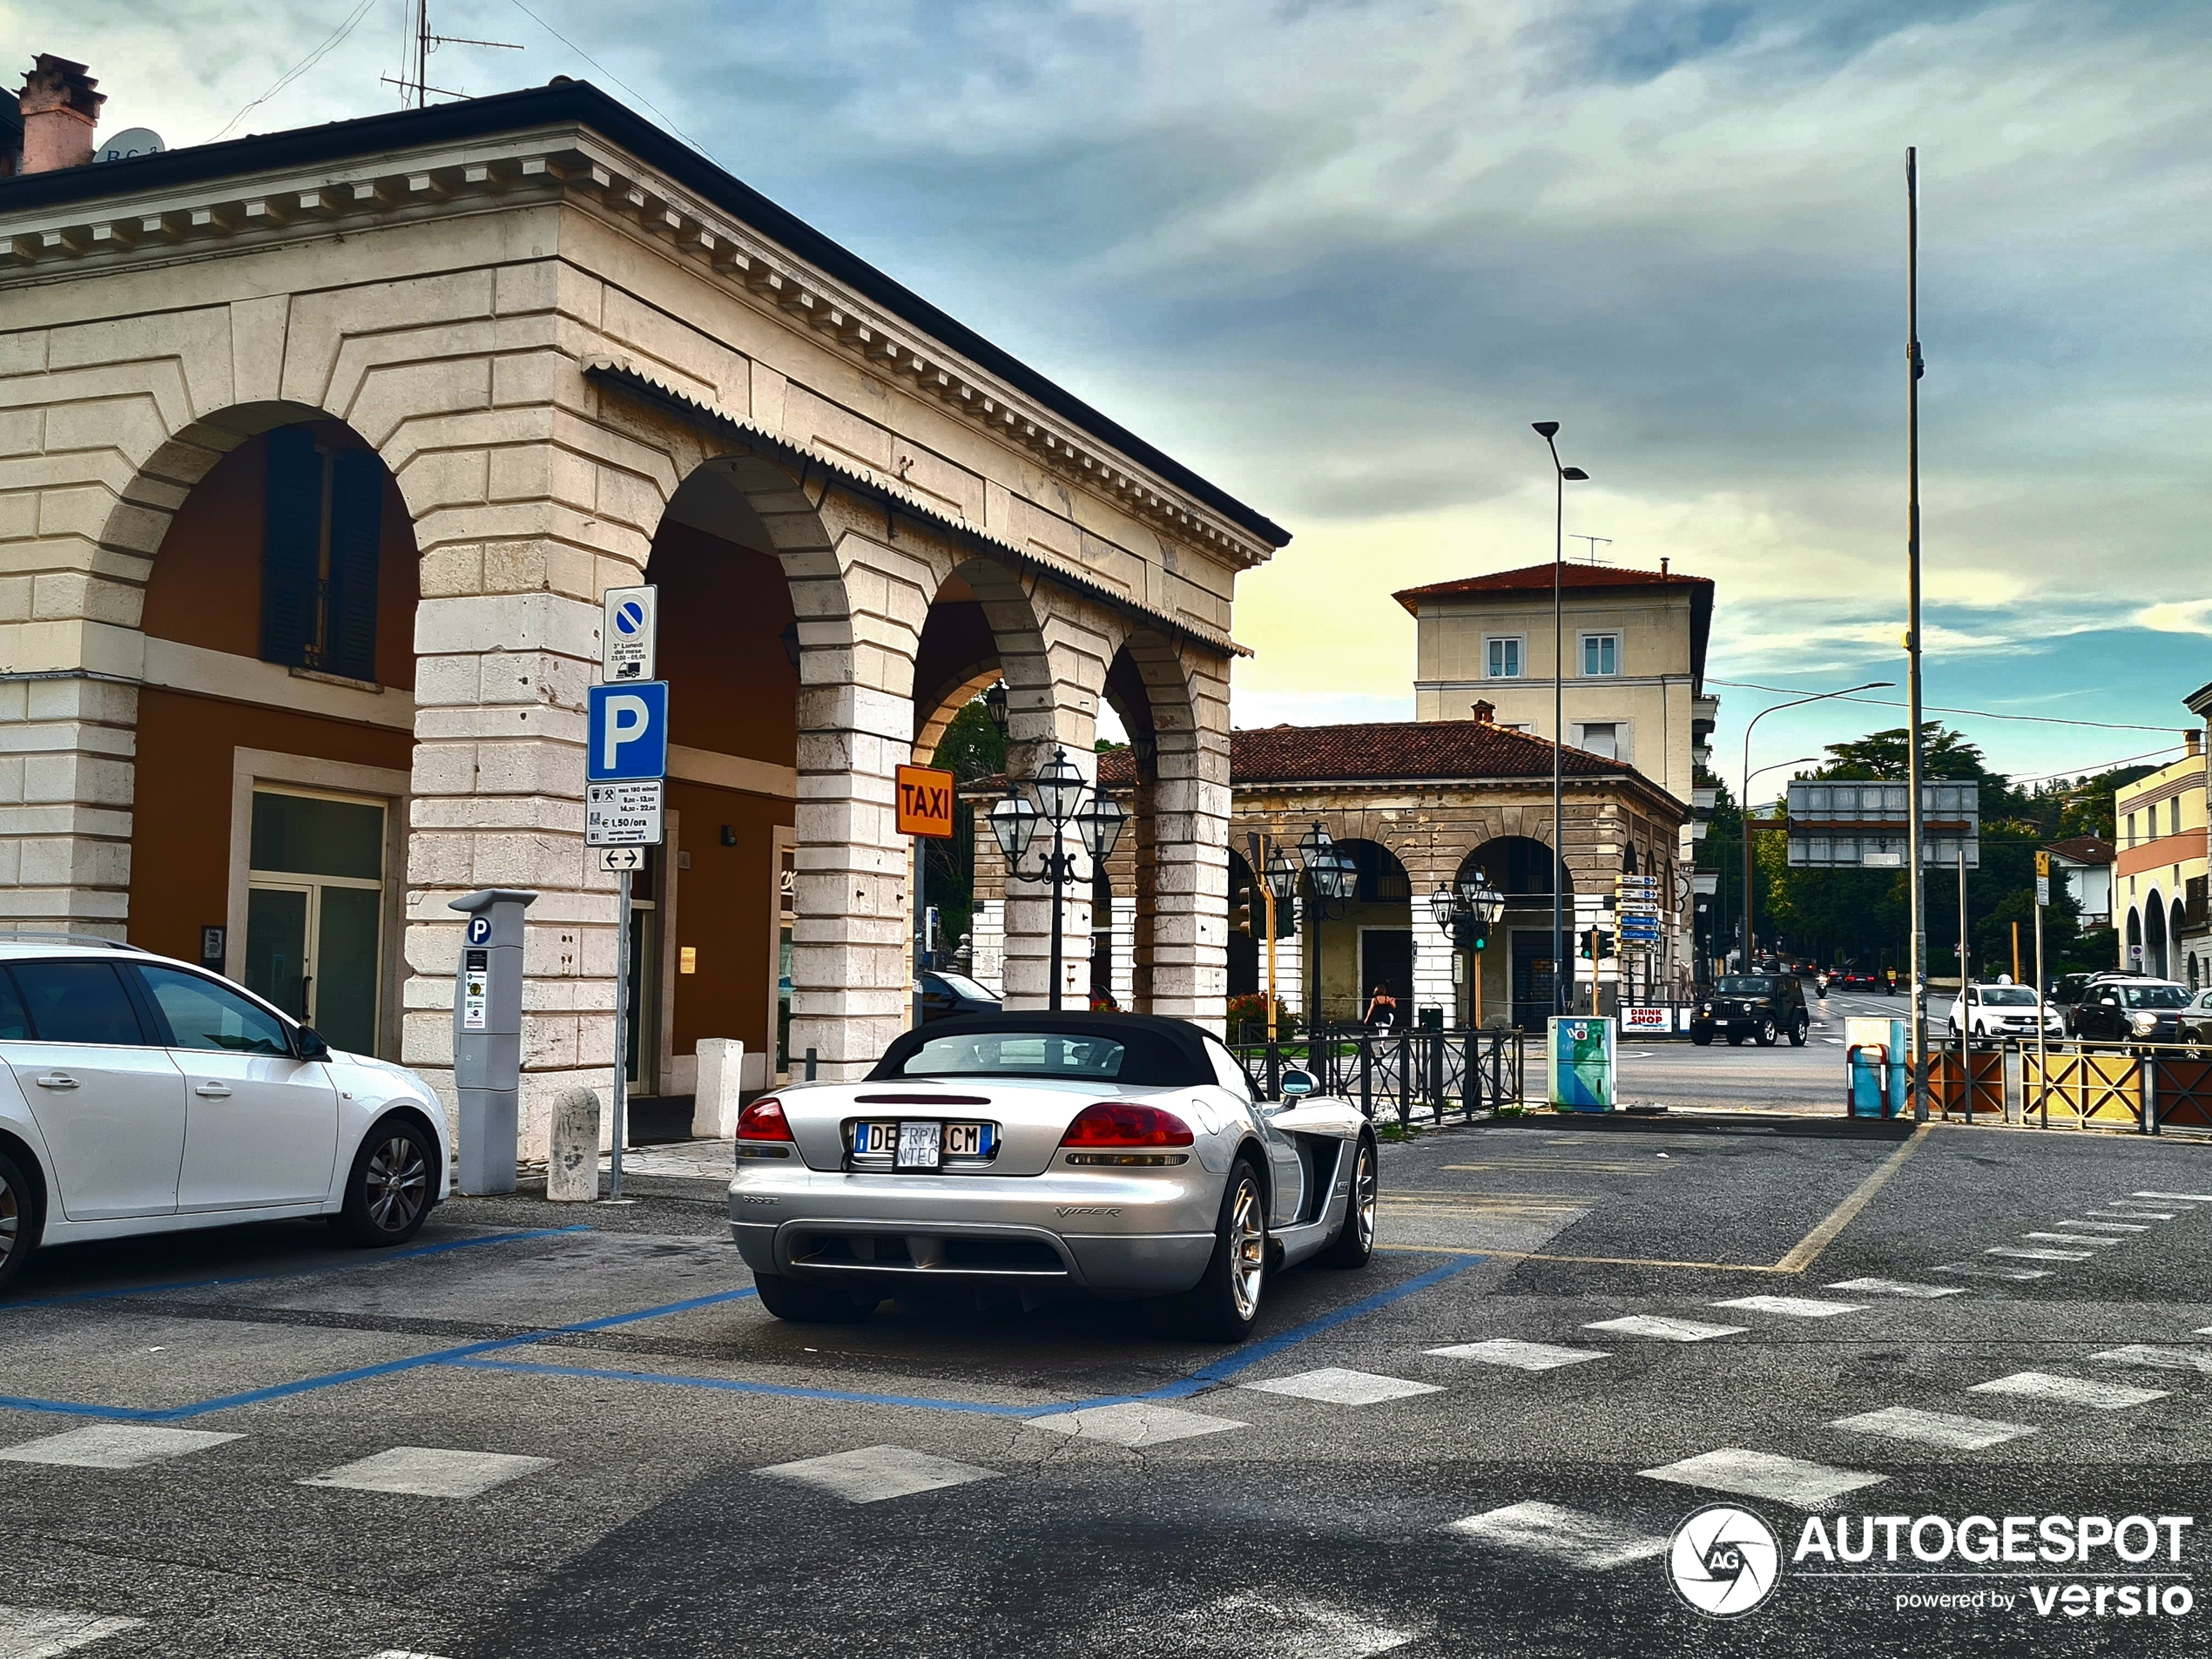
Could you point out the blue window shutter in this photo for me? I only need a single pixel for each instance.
(356, 510)
(291, 544)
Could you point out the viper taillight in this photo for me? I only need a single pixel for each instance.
(1116, 1122)
(764, 1120)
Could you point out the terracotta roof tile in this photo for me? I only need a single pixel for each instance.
(1535, 578)
(1382, 750)
(2085, 849)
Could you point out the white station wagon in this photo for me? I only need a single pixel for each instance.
(139, 1094)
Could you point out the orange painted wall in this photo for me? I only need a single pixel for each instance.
(180, 826)
(731, 688)
(726, 908)
(206, 589)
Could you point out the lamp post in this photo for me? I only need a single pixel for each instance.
(1329, 879)
(1467, 911)
(1743, 806)
(1548, 430)
(1059, 789)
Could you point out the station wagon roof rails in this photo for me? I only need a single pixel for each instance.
(36, 936)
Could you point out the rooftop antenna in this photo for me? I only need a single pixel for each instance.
(1594, 541)
(418, 86)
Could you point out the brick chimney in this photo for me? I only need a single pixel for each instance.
(1484, 712)
(2195, 739)
(60, 110)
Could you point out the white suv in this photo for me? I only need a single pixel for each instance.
(139, 1094)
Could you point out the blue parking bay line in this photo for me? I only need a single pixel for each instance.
(362, 1260)
(362, 1373)
(1197, 1382)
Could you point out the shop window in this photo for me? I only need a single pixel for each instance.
(319, 554)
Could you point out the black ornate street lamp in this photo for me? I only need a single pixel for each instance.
(1059, 789)
(1330, 878)
(1467, 912)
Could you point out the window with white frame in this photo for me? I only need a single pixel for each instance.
(1601, 655)
(1504, 653)
(1606, 737)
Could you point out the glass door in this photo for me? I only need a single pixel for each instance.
(314, 912)
(639, 1046)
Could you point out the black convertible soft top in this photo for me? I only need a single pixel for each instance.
(1160, 1053)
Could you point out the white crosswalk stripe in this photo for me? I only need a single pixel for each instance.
(1666, 1330)
(2068, 1391)
(2137, 1353)
(1763, 1474)
(44, 1633)
(1794, 1307)
(872, 1474)
(1934, 1428)
(1585, 1540)
(113, 1446)
(430, 1472)
(1338, 1386)
(2121, 1211)
(1522, 1356)
(2073, 1239)
(2177, 1197)
(1898, 1287)
(1990, 1269)
(2016, 1253)
(1134, 1423)
(2116, 1228)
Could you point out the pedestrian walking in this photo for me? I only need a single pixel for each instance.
(1382, 1010)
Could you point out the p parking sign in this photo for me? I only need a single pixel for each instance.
(626, 729)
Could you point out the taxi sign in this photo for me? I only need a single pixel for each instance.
(925, 802)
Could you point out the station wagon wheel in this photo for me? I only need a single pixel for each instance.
(19, 1220)
(1354, 1244)
(391, 1186)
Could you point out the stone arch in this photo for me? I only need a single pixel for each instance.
(2132, 958)
(1174, 704)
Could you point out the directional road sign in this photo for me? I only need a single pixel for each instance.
(627, 633)
(613, 859)
(627, 728)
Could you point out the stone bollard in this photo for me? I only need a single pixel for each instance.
(572, 1157)
(715, 1106)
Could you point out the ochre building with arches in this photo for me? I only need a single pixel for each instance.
(318, 451)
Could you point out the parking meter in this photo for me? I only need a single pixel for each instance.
(488, 1035)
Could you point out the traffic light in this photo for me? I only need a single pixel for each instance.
(1240, 918)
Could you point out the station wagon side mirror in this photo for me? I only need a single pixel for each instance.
(1296, 1084)
(310, 1044)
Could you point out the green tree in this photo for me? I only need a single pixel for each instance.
(972, 747)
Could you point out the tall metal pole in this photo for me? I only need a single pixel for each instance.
(921, 921)
(1267, 905)
(1966, 1018)
(2042, 1009)
(619, 1100)
(1913, 826)
(1561, 987)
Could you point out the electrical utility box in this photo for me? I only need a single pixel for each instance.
(488, 1035)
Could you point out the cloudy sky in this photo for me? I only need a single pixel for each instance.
(1338, 255)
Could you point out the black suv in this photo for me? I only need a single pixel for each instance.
(1762, 1006)
(2130, 1009)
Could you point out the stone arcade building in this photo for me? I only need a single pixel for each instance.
(317, 451)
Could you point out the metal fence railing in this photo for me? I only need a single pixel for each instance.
(2071, 1083)
(1410, 1075)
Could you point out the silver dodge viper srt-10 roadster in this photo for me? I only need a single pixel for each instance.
(1101, 1154)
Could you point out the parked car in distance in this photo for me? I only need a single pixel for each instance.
(1765, 1007)
(140, 1096)
(2003, 1011)
(2130, 1010)
(2066, 991)
(2195, 1025)
(944, 994)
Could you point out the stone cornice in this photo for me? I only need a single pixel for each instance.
(571, 164)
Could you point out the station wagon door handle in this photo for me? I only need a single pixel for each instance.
(56, 1080)
(213, 1091)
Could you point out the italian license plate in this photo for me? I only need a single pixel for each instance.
(922, 1145)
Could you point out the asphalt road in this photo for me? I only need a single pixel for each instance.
(1679, 1073)
(513, 1440)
